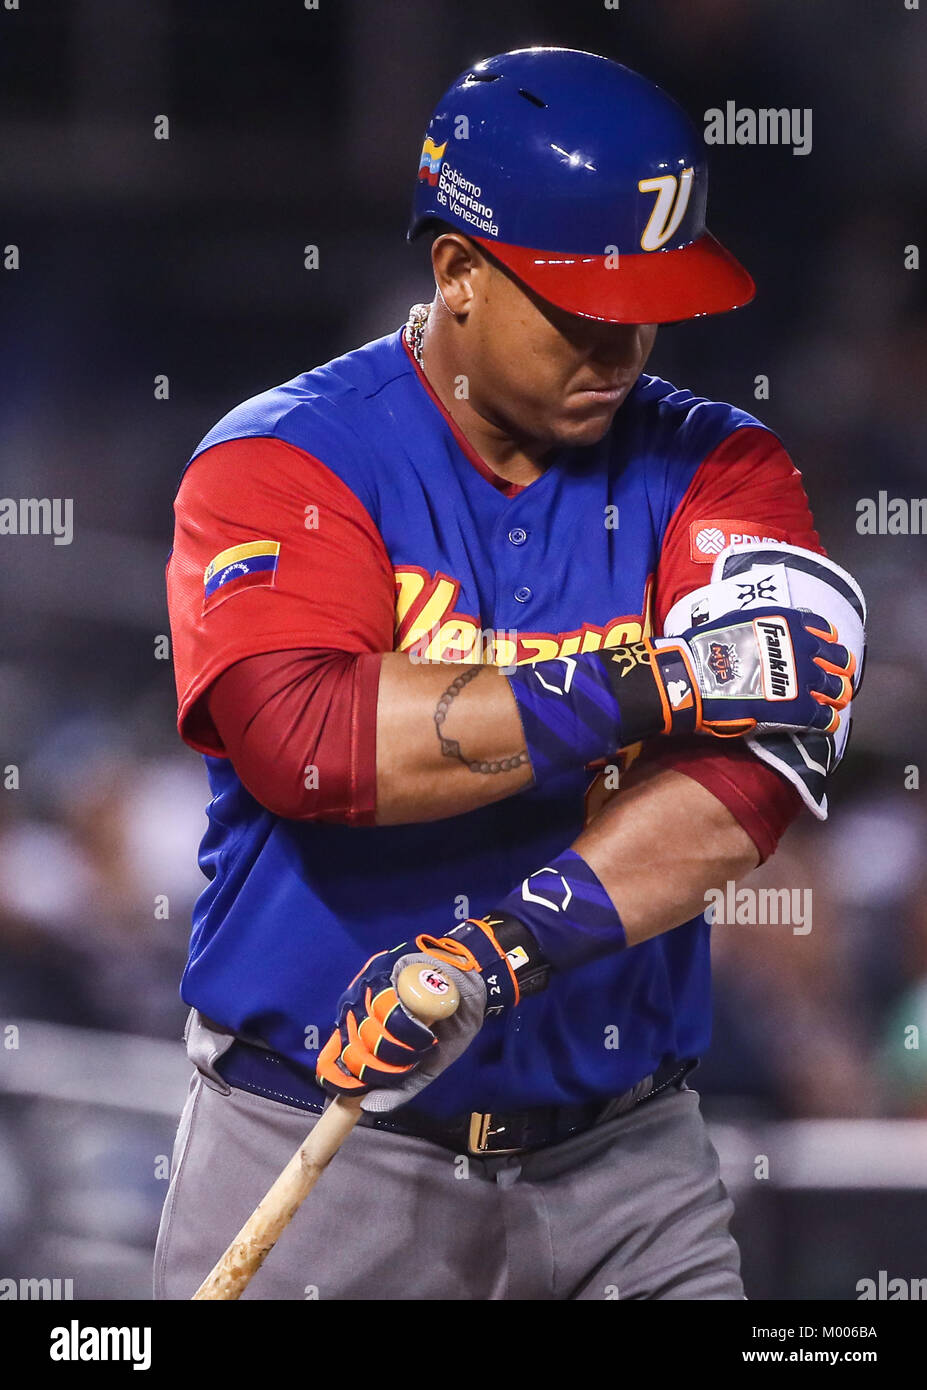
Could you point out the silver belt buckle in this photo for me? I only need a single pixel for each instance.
(481, 1131)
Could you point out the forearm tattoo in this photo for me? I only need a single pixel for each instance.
(451, 748)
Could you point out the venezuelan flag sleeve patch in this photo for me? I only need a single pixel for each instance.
(240, 567)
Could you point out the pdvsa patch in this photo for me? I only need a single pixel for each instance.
(708, 538)
(245, 566)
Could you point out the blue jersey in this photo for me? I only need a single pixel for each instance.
(592, 553)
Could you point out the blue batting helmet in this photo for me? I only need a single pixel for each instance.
(585, 180)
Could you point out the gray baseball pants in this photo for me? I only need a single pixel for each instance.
(633, 1208)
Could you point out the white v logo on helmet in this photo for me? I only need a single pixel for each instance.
(670, 208)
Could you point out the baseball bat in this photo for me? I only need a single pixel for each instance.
(429, 995)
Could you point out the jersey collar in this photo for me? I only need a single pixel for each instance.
(503, 485)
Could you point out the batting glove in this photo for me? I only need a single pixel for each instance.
(378, 1050)
(771, 668)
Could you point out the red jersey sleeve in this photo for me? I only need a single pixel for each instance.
(272, 552)
(748, 486)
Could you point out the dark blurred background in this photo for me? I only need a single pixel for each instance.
(141, 258)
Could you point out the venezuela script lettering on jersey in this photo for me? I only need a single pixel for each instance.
(428, 624)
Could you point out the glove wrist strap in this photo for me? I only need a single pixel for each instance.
(677, 686)
(577, 709)
(501, 948)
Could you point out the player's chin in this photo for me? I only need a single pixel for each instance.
(584, 421)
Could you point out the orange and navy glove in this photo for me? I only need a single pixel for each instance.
(771, 668)
(376, 1040)
(377, 1044)
(767, 669)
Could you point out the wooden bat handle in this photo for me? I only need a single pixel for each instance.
(429, 995)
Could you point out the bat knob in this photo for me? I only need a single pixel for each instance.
(427, 992)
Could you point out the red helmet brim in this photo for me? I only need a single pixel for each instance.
(652, 287)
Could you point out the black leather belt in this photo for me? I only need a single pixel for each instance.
(269, 1074)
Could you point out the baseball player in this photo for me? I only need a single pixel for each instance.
(501, 654)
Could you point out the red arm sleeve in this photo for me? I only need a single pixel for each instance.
(300, 730)
(274, 554)
(747, 485)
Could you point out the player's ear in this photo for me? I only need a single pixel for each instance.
(454, 259)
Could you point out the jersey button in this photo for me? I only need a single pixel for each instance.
(523, 594)
(517, 536)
